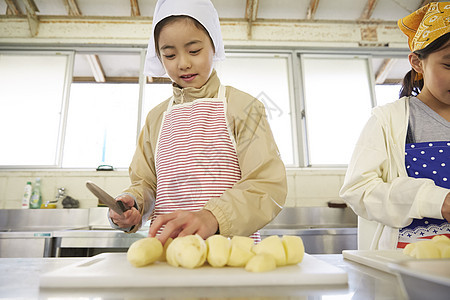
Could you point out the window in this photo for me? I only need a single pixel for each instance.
(387, 93)
(85, 108)
(266, 77)
(338, 100)
(32, 94)
(154, 94)
(101, 125)
(102, 116)
(389, 73)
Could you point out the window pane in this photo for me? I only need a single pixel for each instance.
(389, 73)
(271, 88)
(101, 125)
(31, 97)
(386, 93)
(338, 104)
(154, 94)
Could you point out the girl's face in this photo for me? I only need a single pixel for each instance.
(186, 53)
(436, 75)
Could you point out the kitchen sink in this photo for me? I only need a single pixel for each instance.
(324, 230)
(61, 232)
(29, 232)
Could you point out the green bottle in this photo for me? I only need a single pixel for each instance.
(36, 198)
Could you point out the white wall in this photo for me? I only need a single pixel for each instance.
(306, 187)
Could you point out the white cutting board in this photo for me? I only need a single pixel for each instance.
(113, 270)
(378, 259)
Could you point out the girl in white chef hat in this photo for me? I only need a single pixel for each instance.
(398, 180)
(206, 161)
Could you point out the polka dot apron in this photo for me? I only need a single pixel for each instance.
(427, 160)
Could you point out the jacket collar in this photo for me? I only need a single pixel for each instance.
(189, 94)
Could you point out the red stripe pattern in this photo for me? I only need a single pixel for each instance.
(196, 159)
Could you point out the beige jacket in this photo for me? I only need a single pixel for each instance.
(255, 199)
(377, 186)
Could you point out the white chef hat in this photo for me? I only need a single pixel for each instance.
(201, 10)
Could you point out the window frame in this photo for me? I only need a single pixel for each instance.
(288, 55)
(64, 104)
(345, 56)
(295, 76)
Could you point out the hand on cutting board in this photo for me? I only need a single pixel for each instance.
(445, 210)
(130, 217)
(182, 223)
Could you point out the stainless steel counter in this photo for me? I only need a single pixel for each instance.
(19, 278)
(60, 232)
(324, 230)
(86, 232)
(92, 242)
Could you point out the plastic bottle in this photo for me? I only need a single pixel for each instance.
(27, 195)
(36, 198)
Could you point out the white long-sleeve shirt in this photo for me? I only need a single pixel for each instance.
(377, 186)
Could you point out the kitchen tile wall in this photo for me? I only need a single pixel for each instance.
(306, 187)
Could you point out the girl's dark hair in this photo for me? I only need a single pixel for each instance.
(173, 19)
(411, 86)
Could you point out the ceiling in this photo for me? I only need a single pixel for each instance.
(250, 11)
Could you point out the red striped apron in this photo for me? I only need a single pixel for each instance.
(196, 156)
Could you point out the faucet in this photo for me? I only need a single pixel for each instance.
(61, 194)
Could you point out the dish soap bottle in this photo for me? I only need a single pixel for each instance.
(27, 195)
(36, 198)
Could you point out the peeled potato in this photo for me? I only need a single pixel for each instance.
(187, 251)
(144, 251)
(218, 250)
(272, 245)
(241, 251)
(409, 248)
(261, 263)
(437, 247)
(445, 251)
(170, 253)
(426, 249)
(443, 244)
(294, 248)
(441, 238)
(164, 254)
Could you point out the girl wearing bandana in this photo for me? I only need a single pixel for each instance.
(206, 161)
(398, 180)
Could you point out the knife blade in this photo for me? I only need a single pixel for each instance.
(117, 206)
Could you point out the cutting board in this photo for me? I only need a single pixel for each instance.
(378, 259)
(109, 270)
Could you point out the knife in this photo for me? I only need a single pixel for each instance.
(106, 199)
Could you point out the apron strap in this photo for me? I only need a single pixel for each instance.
(221, 93)
(409, 136)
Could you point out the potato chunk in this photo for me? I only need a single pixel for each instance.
(144, 251)
(409, 248)
(164, 254)
(294, 248)
(437, 247)
(218, 250)
(443, 244)
(241, 251)
(261, 263)
(272, 245)
(426, 249)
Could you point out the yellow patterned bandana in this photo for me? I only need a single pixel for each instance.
(426, 24)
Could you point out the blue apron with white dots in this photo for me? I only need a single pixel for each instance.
(427, 160)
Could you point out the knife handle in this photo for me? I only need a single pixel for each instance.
(122, 206)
